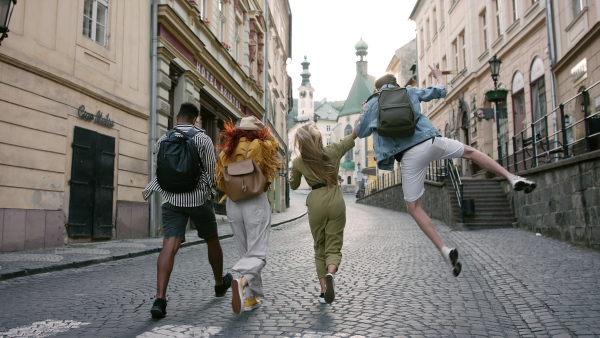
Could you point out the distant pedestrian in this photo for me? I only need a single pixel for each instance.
(326, 207)
(416, 152)
(249, 218)
(179, 208)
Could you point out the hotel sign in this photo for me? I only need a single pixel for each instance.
(215, 83)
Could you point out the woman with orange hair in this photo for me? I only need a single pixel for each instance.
(250, 218)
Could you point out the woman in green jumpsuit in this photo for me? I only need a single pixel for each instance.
(326, 208)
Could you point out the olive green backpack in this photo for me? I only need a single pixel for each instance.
(396, 116)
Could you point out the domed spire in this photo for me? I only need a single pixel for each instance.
(305, 73)
(361, 48)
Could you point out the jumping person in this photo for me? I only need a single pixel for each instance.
(326, 207)
(416, 152)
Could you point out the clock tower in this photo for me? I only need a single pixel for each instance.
(306, 108)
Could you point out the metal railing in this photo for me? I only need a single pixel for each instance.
(436, 171)
(457, 185)
(573, 128)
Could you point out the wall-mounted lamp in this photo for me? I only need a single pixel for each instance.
(6, 8)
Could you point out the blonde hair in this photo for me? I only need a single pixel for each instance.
(310, 146)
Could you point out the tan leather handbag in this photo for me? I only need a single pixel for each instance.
(243, 179)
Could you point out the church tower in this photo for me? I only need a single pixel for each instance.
(306, 108)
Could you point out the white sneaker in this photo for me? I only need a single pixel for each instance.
(521, 183)
(329, 291)
(451, 257)
(322, 298)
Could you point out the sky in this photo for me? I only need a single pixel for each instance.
(326, 31)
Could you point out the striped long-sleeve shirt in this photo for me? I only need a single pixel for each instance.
(205, 189)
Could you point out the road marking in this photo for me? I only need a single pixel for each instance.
(181, 331)
(44, 328)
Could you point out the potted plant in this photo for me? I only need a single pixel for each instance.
(496, 95)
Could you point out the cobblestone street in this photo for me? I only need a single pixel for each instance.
(392, 283)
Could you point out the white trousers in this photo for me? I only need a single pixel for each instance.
(250, 221)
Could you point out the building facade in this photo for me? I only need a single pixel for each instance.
(460, 37)
(74, 102)
(227, 56)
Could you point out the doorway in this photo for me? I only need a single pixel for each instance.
(91, 184)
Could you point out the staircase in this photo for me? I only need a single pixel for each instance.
(492, 210)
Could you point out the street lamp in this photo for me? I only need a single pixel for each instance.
(495, 70)
(6, 8)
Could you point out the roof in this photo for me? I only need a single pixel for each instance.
(327, 112)
(361, 89)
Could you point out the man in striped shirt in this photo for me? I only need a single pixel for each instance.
(178, 208)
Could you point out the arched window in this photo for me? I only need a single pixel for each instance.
(349, 179)
(538, 96)
(518, 106)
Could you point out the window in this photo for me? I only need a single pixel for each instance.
(515, 15)
(538, 105)
(464, 49)
(498, 20)
(428, 28)
(349, 179)
(503, 128)
(455, 52)
(577, 6)
(483, 23)
(223, 21)
(238, 40)
(328, 128)
(444, 63)
(328, 141)
(203, 9)
(435, 25)
(422, 43)
(519, 122)
(95, 20)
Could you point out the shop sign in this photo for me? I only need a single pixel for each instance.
(215, 83)
(98, 118)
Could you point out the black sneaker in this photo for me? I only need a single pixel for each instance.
(221, 290)
(159, 308)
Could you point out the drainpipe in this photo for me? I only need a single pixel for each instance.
(153, 119)
(551, 49)
(552, 57)
(265, 66)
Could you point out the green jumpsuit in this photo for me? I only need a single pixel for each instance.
(326, 208)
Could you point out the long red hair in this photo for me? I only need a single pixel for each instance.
(230, 137)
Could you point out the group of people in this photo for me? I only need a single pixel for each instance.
(250, 218)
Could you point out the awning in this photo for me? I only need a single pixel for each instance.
(371, 171)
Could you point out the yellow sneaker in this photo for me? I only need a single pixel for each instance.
(251, 304)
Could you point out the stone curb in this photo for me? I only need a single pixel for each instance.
(84, 263)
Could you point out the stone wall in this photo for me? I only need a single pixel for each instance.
(566, 203)
(435, 200)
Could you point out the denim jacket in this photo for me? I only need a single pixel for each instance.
(387, 147)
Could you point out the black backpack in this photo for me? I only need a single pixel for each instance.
(178, 165)
(396, 116)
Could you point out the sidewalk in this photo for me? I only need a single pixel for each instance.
(31, 262)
